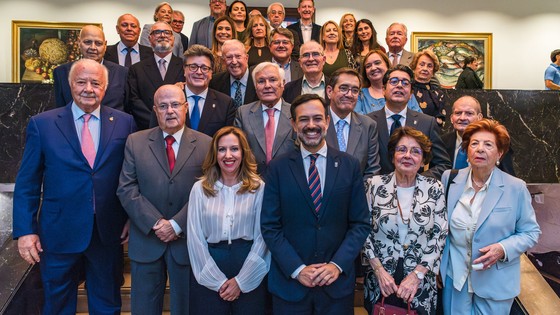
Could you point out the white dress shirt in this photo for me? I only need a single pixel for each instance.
(190, 99)
(134, 53)
(390, 121)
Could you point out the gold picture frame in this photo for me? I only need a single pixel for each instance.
(38, 47)
(451, 48)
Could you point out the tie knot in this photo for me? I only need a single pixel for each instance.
(129, 49)
(162, 62)
(341, 123)
(270, 112)
(396, 117)
(196, 98)
(236, 84)
(313, 157)
(169, 140)
(86, 117)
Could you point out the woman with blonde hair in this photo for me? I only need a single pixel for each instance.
(257, 40)
(336, 55)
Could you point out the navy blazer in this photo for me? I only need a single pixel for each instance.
(296, 235)
(53, 163)
(221, 83)
(315, 31)
(450, 139)
(112, 54)
(114, 96)
(420, 121)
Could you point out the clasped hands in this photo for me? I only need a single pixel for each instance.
(164, 231)
(406, 290)
(318, 275)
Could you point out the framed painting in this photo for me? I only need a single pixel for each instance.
(451, 49)
(38, 47)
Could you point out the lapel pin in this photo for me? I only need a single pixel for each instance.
(335, 164)
(111, 118)
(213, 105)
(416, 122)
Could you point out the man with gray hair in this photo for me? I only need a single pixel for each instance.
(312, 60)
(177, 23)
(396, 38)
(266, 122)
(145, 77)
(202, 29)
(552, 73)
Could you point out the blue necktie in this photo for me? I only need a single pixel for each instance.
(195, 115)
(340, 135)
(396, 124)
(238, 98)
(314, 182)
(461, 159)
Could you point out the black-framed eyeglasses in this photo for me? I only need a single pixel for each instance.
(193, 67)
(178, 22)
(164, 106)
(402, 149)
(166, 33)
(345, 88)
(395, 82)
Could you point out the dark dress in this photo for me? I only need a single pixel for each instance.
(344, 59)
(469, 80)
(255, 58)
(430, 99)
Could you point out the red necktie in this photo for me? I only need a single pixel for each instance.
(170, 153)
(88, 148)
(269, 134)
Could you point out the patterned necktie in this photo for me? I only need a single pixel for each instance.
(315, 182)
(396, 123)
(128, 58)
(269, 134)
(340, 135)
(238, 98)
(162, 68)
(88, 148)
(195, 115)
(395, 60)
(461, 160)
(170, 153)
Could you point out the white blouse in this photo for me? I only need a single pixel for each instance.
(227, 216)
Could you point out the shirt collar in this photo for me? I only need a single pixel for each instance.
(243, 79)
(178, 135)
(484, 187)
(167, 59)
(389, 113)
(77, 112)
(190, 93)
(322, 82)
(277, 106)
(122, 47)
(335, 117)
(322, 151)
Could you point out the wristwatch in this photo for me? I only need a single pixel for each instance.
(419, 274)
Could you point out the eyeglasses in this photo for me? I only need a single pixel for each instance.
(178, 22)
(194, 68)
(416, 151)
(164, 106)
(165, 33)
(278, 42)
(310, 55)
(395, 82)
(345, 88)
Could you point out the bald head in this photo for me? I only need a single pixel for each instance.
(128, 28)
(465, 111)
(92, 43)
(170, 107)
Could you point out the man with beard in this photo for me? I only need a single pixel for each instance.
(304, 27)
(465, 111)
(160, 167)
(236, 81)
(314, 218)
(202, 29)
(281, 46)
(146, 76)
(92, 46)
(396, 38)
(127, 51)
(397, 86)
(312, 60)
(266, 122)
(352, 133)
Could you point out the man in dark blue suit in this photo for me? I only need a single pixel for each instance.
(93, 45)
(66, 212)
(314, 219)
(127, 51)
(304, 27)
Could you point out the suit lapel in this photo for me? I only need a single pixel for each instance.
(107, 125)
(66, 125)
(256, 122)
(331, 136)
(152, 72)
(175, 64)
(156, 144)
(456, 188)
(187, 147)
(383, 132)
(412, 119)
(298, 171)
(495, 191)
(284, 128)
(249, 90)
(208, 110)
(354, 134)
(331, 174)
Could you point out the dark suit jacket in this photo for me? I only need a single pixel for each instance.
(450, 139)
(115, 96)
(296, 235)
(315, 31)
(53, 163)
(184, 41)
(361, 144)
(295, 70)
(293, 89)
(250, 119)
(112, 54)
(143, 81)
(149, 191)
(218, 112)
(428, 126)
(200, 34)
(221, 83)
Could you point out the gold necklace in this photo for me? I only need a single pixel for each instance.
(400, 212)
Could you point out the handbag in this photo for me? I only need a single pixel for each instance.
(381, 309)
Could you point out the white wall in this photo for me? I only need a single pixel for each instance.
(524, 32)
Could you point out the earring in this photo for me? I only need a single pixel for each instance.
(498, 163)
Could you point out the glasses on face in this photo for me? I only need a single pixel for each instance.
(402, 149)
(178, 22)
(395, 82)
(310, 55)
(194, 68)
(164, 106)
(345, 88)
(165, 33)
(278, 42)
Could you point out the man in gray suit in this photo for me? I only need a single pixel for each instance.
(352, 133)
(281, 46)
(396, 38)
(160, 167)
(397, 86)
(266, 122)
(202, 29)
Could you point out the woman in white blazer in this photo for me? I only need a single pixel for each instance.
(491, 223)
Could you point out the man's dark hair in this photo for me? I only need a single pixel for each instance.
(304, 98)
(398, 67)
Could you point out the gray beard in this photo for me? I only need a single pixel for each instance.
(163, 47)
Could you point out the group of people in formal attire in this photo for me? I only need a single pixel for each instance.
(224, 182)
